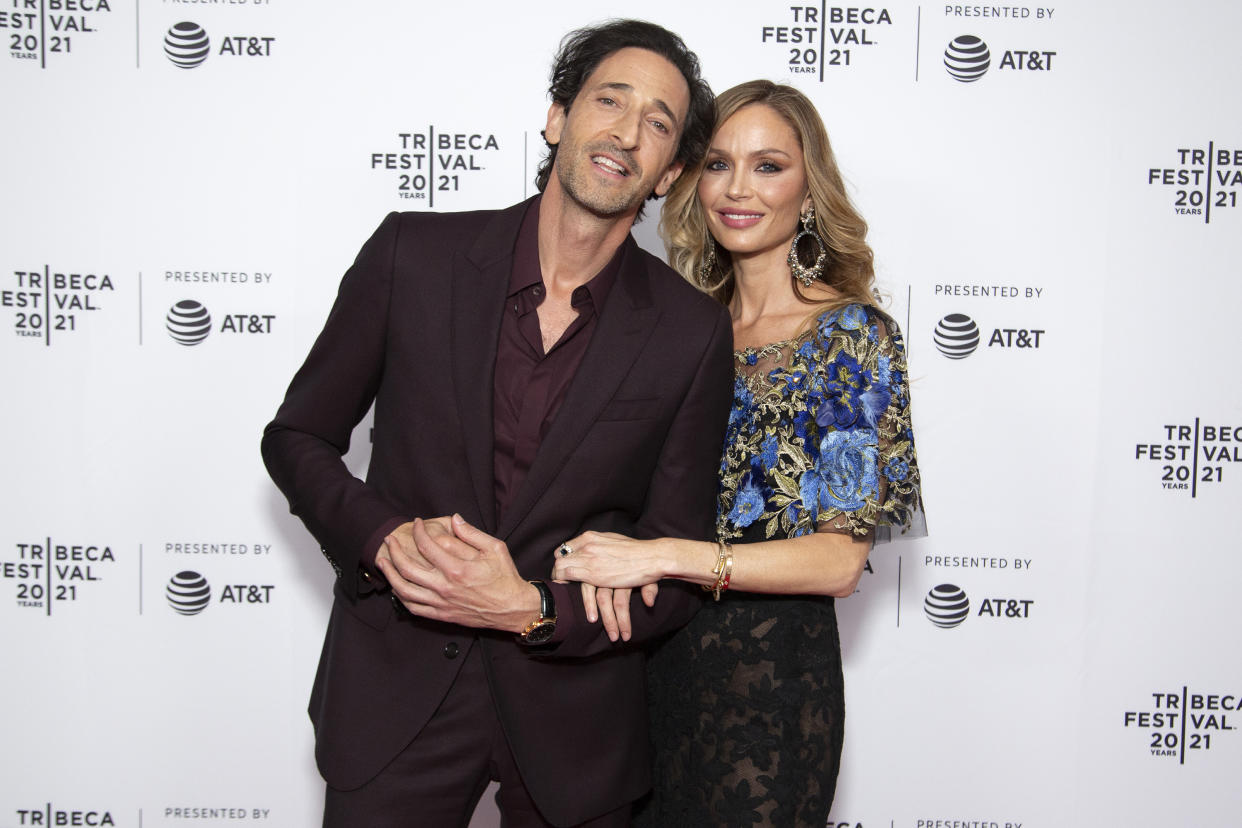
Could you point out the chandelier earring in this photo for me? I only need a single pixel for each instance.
(807, 275)
(709, 262)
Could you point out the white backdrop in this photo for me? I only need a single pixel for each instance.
(1076, 204)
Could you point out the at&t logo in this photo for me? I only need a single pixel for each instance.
(189, 322)
(957, 336)
(188, 593)
(187, 45)
(967, 58)
(947, 606)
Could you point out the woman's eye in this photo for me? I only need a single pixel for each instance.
(769, 167)
(716, 165)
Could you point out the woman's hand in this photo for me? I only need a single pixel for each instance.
(612, 606)
(609, 566)
(606, 559)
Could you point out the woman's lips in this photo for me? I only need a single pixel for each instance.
(739, 219)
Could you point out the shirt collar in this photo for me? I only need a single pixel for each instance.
(526, 272)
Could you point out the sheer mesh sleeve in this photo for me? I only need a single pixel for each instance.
(820, 438)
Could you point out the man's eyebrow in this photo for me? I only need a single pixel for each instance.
(659, 102)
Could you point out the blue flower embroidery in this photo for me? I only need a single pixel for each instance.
(810, 437)
(844, 476)
(768, 452)
(853, 317)
(747, 506)
(842, 404)
(897, 469)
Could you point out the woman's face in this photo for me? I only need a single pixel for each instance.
(754, 184)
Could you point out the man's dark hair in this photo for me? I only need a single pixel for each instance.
(584, 49)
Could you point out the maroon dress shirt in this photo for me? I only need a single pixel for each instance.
(531, 384)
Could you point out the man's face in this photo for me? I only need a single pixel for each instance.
(617, 141)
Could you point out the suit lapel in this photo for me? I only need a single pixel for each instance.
(624, 327)
(480, 282)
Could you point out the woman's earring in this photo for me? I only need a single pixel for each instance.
(807, 275)
(709, 262)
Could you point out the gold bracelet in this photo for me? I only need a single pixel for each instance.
(723, 571)
(721, 556)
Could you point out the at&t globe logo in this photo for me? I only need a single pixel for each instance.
(946, 606)
(956, 336)
(967, 58)
(188, 322)
(188, 593)
(187, 45)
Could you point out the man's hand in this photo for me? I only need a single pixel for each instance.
(448, 570)
(400, 550)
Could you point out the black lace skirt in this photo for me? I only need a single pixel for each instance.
(747, 715)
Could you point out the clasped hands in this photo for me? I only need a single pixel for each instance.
(447, 570)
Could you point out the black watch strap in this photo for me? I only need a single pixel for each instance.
(541, 629)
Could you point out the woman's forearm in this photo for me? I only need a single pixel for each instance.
(823, 563)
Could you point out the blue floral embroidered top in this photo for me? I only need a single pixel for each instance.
(820, 435)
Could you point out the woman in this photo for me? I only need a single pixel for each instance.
(747, 700)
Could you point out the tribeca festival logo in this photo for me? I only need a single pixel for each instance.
(1186, 723)
(436, 162)
(957, 336)
(1201, 180)
(813, 39)
(52, 29)
(1190, 456)
(187, 45)
(50, 815)
(48, 572)
(47, 304)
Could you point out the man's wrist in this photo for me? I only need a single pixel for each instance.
(540, 624)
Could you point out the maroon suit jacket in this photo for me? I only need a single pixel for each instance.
(635, 449)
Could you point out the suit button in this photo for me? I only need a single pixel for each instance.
(364, 575)
(451, 649)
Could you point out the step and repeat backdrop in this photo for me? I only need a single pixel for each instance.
(1053, 193)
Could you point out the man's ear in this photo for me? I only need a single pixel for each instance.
(670, 175)
(556, 124)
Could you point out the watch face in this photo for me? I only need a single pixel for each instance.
(541, 634)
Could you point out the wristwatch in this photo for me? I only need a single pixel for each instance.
(541, 629)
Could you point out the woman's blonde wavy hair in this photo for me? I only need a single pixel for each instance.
(849, 270)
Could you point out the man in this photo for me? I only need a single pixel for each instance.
(535, 374)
